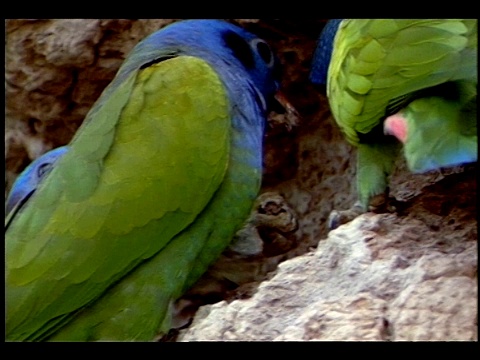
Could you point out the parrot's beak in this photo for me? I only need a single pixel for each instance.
(396, 125)
(283, 112)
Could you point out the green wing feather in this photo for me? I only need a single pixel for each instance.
(139, 171)
(139, 306)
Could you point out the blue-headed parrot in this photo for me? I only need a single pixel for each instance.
(413, 79)
(28, 181)
(155, 183)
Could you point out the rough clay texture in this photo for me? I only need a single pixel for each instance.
(411, 275)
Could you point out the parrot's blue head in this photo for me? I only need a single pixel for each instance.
(323, 52)
(224, 45)
(28, 181)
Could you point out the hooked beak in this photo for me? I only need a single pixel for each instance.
(283, 113)
(396, 125)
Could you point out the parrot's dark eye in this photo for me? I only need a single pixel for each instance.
(264, 51)
(43, 169)
(240, 48)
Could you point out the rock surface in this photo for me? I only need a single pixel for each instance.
(365, 281)
(411, 275)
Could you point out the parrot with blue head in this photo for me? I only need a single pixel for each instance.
(28, 181)
(400, 85)
(155, 183)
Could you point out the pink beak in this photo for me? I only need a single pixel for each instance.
(396, 125)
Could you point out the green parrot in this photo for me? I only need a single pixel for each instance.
(413, 79)
(155, 183)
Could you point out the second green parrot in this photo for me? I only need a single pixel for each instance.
(155, 183)
(413, 79)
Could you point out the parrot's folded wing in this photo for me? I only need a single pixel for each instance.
(139, 171)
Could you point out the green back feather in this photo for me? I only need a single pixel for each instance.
(105, 208)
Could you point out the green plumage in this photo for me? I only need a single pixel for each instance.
(91, 232)
(152, 188)
(157, 285)
(442, 131)
(380, 66)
